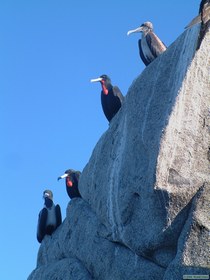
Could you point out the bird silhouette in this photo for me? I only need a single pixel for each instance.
(150, 46)
(111, 97)
(49, 217)
(72, 179)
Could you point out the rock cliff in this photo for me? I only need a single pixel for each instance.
(145, 206)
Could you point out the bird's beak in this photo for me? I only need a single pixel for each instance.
(194, 21)
(139, 29)
(96, 80)
(63, 176)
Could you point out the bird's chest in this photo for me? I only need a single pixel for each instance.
(110, 104)
(108, 100)
(51, 217)
(72, 187)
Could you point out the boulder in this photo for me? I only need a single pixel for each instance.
(145, 206)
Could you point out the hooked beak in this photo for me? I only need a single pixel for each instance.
(63, 176)
(139, 29)
(194, 21)
(46, 195)
(96, 80)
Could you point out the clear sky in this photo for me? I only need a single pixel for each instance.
(51, 116)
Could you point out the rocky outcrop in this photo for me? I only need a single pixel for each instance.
(145, 206)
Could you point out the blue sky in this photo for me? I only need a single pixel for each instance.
(51, 116)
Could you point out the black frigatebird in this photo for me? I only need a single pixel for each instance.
(150, 46)
(111, 97)
(49, 217)
(72, 179)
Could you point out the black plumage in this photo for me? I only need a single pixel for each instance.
(150, 46)
(72, 179)
(111, 97)
(49, 217)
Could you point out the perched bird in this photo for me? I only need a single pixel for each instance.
(203, 14)
(203, 18)
(111, 97)
(72, 178)
(150, 46)
(49, 217)
(204, 11)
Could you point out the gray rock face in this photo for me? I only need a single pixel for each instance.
(145, 206)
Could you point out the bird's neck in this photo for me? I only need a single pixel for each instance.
(69, 182)
(144, 34)
(104, 89)
(48, 202)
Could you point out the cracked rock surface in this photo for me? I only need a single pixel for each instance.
(145, 206)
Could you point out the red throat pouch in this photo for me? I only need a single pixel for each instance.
(105, 90)
(69, 182)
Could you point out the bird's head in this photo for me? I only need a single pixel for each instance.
(144, 28)
(48, 194)
(105, 82)
(103, 79)
(69, 175)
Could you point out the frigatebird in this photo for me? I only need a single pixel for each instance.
(203, 14)
(111, 97)
(72, 179)
(49, 217)
(150, 46)
(204, 10)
